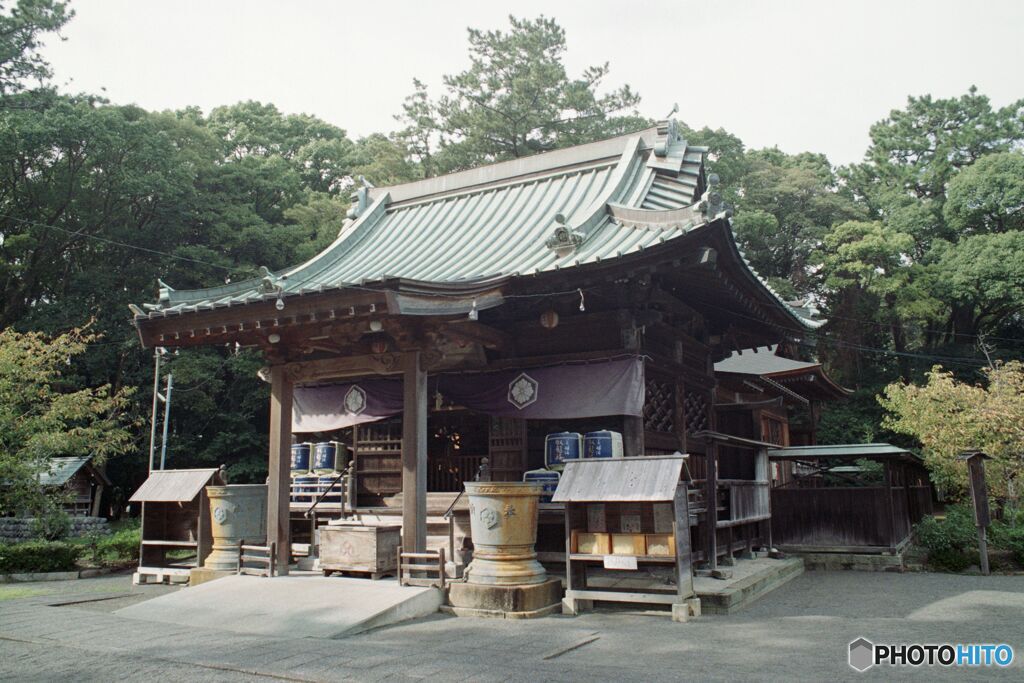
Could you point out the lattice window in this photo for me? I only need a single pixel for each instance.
(660, 406)
(695, 407)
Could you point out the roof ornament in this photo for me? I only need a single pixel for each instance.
(268, 281)
(563, 240)
(711, 204)
(360, 198)
(668, 134)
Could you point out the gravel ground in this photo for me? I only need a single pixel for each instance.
(67, 631)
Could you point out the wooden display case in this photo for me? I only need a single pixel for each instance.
(626, 515)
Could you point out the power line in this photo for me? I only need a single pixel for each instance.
(156, 252)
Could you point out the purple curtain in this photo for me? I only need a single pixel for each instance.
(612, 387)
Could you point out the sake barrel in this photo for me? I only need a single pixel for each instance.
(300, 458)
(548, 480)
(602, 444)
(325, 457)
(562, 446)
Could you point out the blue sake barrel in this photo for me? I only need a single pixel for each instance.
(602, 444)
(300, 458)
(303, 489)
(548, 479)
(562, 446)
(325, 456)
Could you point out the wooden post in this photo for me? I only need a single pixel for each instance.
(414, 455)
(681, 532)
(979, 496)
(632, 436)
(711, 497)
(279, 468)
(891, 507)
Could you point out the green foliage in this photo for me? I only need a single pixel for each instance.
(39, 556)
(951, 541)
(949, 417)
(41, 417)
(51, 523)
(515, 99)
(117, 549)
(22, 27)
(988, 196)
(1009, 535)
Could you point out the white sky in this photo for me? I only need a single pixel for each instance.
(801, 75)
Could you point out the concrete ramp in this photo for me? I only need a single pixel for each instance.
(294, 606)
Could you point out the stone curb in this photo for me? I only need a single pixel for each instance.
(56, 576)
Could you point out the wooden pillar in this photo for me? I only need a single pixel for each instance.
(279, 468)
(632, 436)
(890, 506)
(414, 455)
(711, 498)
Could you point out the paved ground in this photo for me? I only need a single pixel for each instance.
(800, 631)
(308, 605)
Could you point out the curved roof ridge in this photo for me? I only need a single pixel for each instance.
(514, 168)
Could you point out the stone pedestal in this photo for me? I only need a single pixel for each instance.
(504, 602)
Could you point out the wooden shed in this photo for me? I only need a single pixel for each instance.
(849, 498)
(82, 479)
(175, 517)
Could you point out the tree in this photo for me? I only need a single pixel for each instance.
(987, 196)
(514, 100)
(949, 417)
(42, 415)
(21, 30)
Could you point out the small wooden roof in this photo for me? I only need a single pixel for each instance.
(60, 470)
(846, 451)
(174, 486)
(638, 479)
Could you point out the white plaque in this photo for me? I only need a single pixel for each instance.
(620, 562)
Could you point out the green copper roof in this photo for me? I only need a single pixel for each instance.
(551, 211)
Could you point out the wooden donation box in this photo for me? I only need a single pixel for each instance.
(356, 547)
(624, 517)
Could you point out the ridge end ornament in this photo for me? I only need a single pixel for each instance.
(563, 239)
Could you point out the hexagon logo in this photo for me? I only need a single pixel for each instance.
(355, 400)
(862, 654)
(522, 391)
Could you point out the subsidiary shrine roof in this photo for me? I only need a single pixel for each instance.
(807, 379)
(471, 231)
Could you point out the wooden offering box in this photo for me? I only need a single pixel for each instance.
(355, 547)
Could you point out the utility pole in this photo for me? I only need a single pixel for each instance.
(157, 355)
(167, 419)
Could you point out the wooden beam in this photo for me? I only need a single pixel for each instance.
(279, 467)
(414, 454)
(347, 366)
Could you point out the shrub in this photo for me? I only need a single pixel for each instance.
(1009, 535)
(951, 542)
(39, 556)
(120, 547)
(51, 524)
